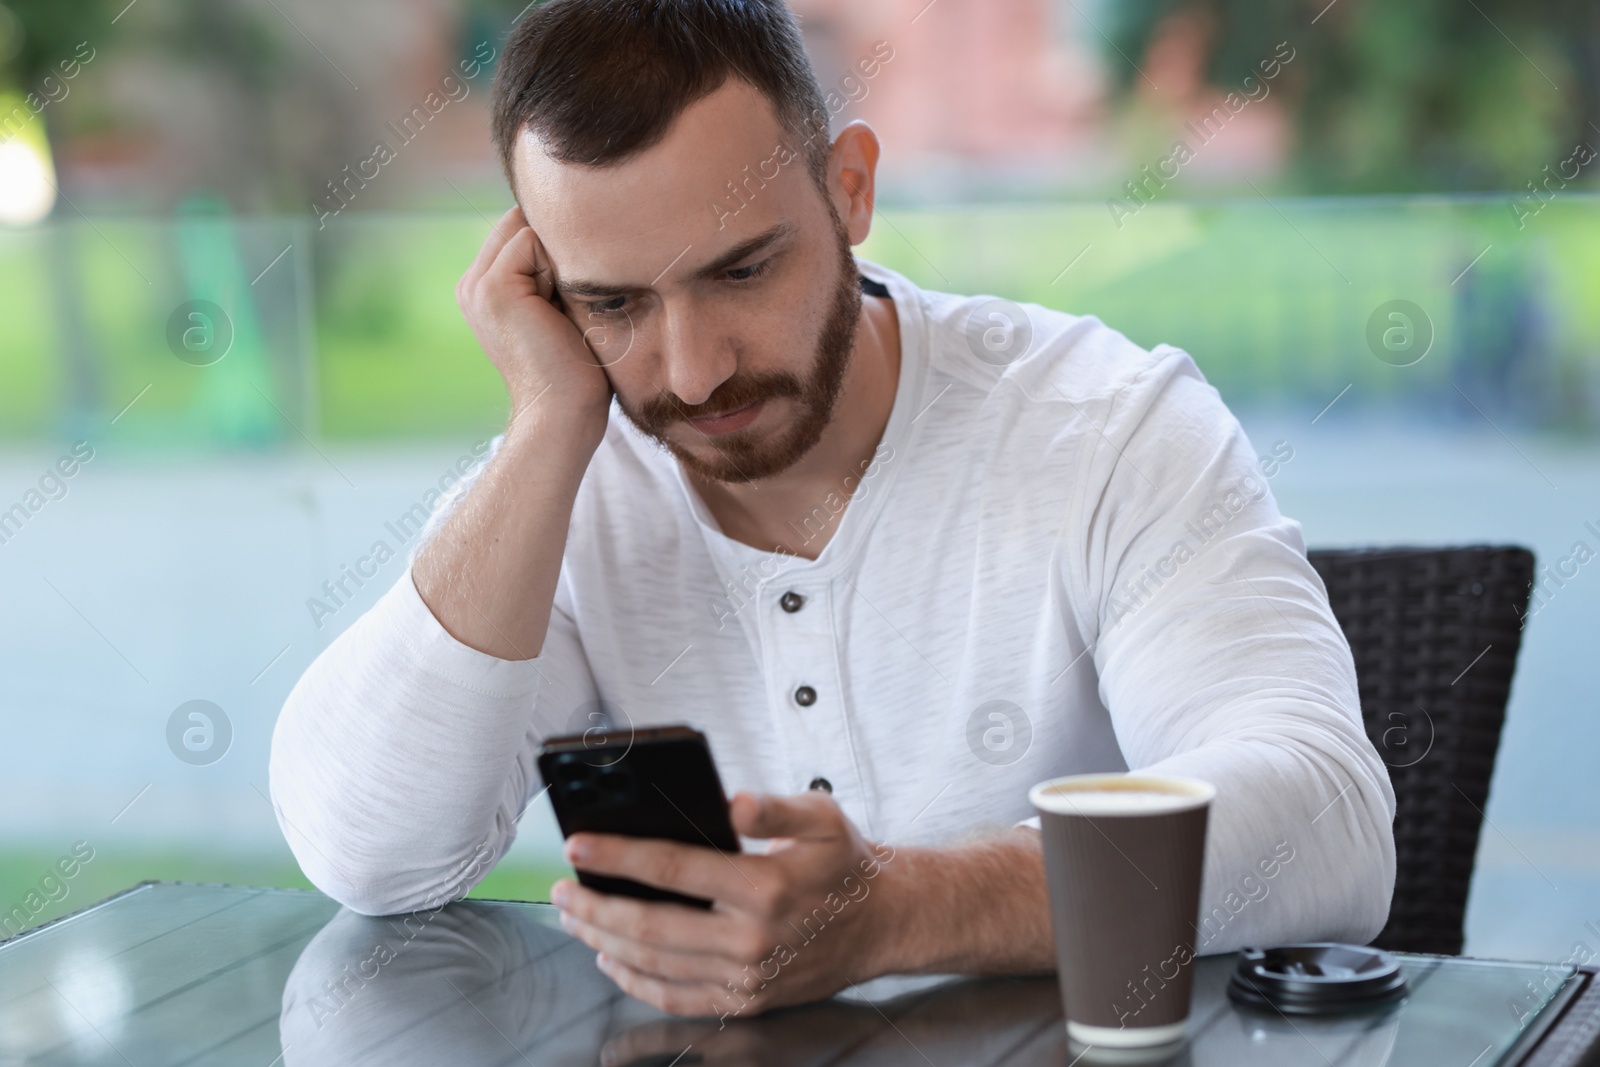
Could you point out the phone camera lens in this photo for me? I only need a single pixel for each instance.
(615, 784)
(569, 769)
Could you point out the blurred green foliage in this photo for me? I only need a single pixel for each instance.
(389, 332)
(111, 872)
(1274, 307)
(241, 44)
(37, 34)
(1272, 300)
(1398, 97)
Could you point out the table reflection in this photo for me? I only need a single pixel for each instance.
(1230, 1036)
(218, 976)
(486, 984)
(489, 984)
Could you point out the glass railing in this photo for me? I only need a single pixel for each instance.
(213, 330)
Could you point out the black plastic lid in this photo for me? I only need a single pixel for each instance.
(1319, 978)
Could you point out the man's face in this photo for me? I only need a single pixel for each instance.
(724, 322)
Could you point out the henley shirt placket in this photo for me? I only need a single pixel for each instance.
(799, 653)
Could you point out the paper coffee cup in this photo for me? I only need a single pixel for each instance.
(1124, 854)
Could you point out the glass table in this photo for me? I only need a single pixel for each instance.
(176, 974)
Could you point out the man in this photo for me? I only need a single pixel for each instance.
(900, 554)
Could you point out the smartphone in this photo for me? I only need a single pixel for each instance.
(658, 782)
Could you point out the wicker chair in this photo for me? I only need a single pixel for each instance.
(1435, 634)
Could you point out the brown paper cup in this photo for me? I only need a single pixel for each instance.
(1123, 855)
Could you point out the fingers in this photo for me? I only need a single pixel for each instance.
(691, 869)
(673, 964)
(807, 815)
(674, 998)
(655, 924)
(543, 274)
(512, 251)
(515, 263)
(500, 232)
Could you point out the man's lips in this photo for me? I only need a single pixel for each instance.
(728, 422)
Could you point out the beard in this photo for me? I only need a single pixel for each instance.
(741, 457)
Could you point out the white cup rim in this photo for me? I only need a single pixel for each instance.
(1187, 793)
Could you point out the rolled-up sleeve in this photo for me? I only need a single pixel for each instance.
(403, 759)
(1219, 658)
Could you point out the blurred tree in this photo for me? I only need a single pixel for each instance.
(220, 95)
(36, 38)
(35, 35)
(242, 55)
(1421, 95)
(492, 19)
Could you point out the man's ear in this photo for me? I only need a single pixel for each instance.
(852, 166)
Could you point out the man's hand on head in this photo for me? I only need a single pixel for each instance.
(794, 925)
(508, 298)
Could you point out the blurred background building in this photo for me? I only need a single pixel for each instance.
(215, 283)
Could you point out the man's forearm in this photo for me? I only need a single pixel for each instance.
(489, 575)
(981, 908)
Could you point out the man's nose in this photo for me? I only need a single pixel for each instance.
(695, 356)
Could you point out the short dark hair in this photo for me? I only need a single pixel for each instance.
(600, 80)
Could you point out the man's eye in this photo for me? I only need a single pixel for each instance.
(608, 307)
(745, 274)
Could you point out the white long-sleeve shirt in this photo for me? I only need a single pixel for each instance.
(1064, 561)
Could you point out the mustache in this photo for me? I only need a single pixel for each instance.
(740, 391)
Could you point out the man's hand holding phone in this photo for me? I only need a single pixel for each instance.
(796, 924)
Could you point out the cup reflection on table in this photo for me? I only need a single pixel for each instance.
(1124, 854)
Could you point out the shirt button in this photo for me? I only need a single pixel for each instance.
(791, 602)
(805, 696)
(822, 784)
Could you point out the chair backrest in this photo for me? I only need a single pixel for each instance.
(1435, 634)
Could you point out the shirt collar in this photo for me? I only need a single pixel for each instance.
(867, 499)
